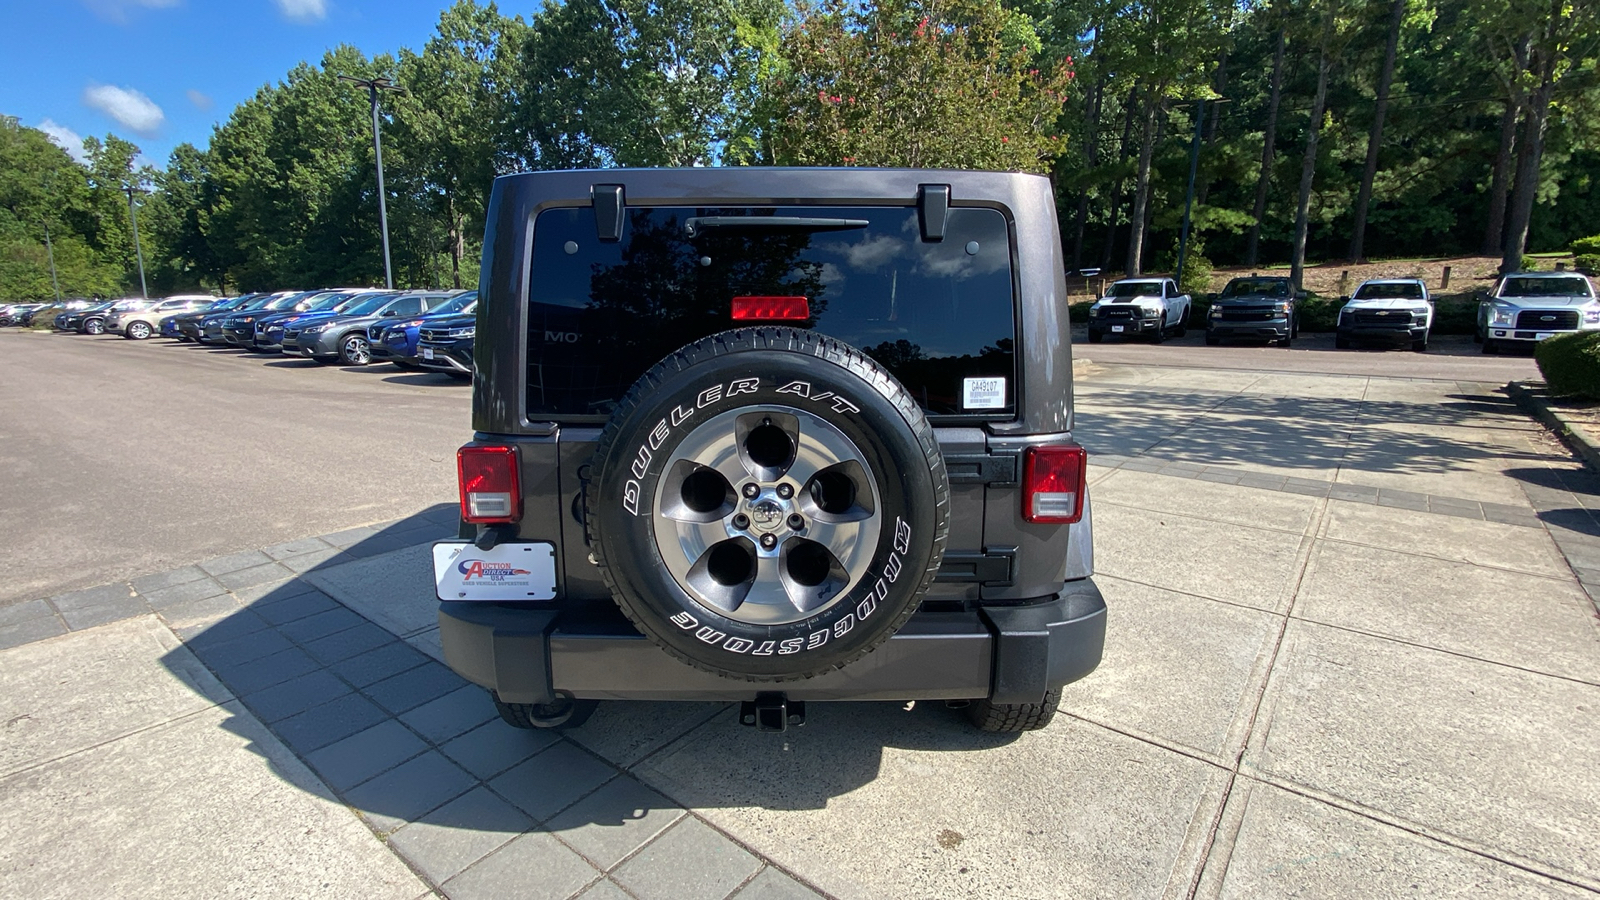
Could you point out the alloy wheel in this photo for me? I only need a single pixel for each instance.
(767, 515)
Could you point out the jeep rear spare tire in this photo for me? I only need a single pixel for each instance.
(769, 504)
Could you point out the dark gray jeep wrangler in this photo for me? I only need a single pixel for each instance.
(772, 436)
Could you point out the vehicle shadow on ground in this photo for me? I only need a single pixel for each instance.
(427, 379)
(395, 734)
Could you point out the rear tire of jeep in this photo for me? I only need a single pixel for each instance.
(769, 504)
(566, 712)
(1013, 718)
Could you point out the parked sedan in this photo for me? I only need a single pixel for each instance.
(1396, 310)
(445, 345)
(344, 336)
(397, 342)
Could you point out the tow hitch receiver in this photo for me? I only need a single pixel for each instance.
(772, 712)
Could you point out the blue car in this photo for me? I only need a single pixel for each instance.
(397, 342)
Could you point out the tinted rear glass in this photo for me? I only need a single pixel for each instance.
(933, 314)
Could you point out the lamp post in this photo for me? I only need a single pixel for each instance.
(144, 291)
(50, 249)
(373, 86)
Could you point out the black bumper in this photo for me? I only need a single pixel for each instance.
(1010, 654)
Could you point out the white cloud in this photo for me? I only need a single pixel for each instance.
(65, 138)
(129, 107)
(201, 101)
(304, 10)
(117, 10)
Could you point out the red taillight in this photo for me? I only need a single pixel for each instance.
(490, 490)
(771, 309)
(1052, 484)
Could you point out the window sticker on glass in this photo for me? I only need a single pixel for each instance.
(983, 393)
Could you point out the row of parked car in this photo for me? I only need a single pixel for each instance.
(355, 326)
(1522, 309)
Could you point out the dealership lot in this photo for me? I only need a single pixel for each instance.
(1352, 652)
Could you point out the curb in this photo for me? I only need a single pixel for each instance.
(1534, 402)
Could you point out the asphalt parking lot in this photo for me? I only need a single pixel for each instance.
(1352, 652)
(130, 457)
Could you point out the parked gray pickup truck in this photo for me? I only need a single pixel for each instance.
(773, 436)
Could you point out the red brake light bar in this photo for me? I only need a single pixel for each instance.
(771, 309)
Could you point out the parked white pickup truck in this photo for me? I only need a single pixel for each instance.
(1527, 307)
(1394, 310)
(1152, 306)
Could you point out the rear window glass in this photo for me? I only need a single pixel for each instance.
(1390, 291)
(933, 314)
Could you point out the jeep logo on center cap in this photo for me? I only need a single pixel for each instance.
(766, 514)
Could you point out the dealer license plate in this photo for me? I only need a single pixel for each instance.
(520, 571)
(425, 352)
(1117, 329)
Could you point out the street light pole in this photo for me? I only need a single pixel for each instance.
(50, 249)
(373, 86)
(144, 290)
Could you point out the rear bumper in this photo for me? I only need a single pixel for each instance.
(1010, 654)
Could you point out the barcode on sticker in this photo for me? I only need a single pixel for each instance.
(983, 393)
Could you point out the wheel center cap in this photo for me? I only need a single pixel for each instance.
(768, 512)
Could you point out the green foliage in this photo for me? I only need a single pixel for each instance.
(1079, 312)
(1318, 313)
(1529, 263)
(1588, 263)
(1455, 313)
(42, 189)
(1570, 364)
(1589, 246)
(922, 83)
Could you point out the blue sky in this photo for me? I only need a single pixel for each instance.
(162, 72)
